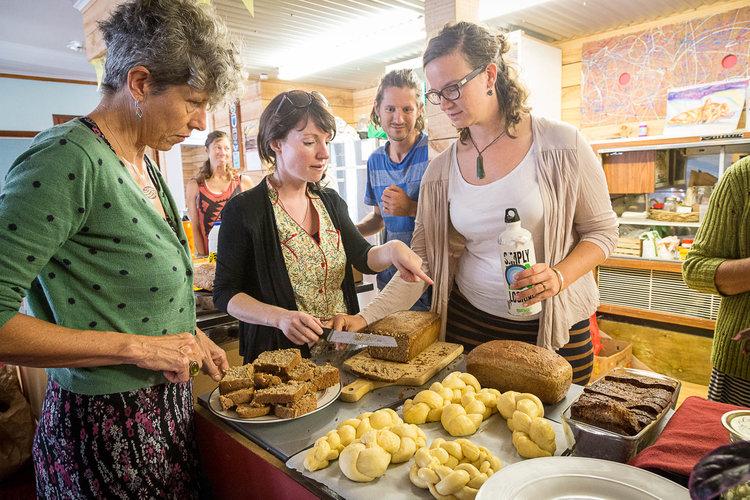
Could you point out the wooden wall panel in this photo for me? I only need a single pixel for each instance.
(630, 172)
(572, 60)
(192, 159)
(362, 103)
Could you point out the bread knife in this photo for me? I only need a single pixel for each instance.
(358, 338)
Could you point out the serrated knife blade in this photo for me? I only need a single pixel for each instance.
(368, 339)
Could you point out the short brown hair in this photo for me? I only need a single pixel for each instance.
(403, 79)
(481, 46)
(205, 171)
(279, 118)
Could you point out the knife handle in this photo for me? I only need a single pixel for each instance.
(361, 386)
(327, 334)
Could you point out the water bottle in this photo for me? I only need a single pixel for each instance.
(516, 255)
(213, 237)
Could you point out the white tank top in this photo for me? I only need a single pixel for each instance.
(477, 212)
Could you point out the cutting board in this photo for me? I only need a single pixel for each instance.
(416, 372)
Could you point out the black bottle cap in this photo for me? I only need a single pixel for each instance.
(511, 215)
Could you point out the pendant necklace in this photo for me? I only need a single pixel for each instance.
(480, 160)
(145, 185)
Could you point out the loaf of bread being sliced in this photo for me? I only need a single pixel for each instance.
(287, 393)
(252, 411)
(236, 378)
(278, 362)
(414, 331)
(305, 404)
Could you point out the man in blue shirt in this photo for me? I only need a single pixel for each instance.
(395, 170)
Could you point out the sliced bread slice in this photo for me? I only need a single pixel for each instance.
(236, 378)
(325, 376)
(305, 404)
(251, 411)
(281, 394)
(278, 362)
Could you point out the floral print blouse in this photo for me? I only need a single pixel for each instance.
(316, 268)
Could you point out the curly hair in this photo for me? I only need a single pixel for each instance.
(179, 41)
(481, 46)
(204, 172)
(279, 118)
(403, 79)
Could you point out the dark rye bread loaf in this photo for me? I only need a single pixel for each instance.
(622, 403)
(511, 365)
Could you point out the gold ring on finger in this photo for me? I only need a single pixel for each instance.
(194, 368)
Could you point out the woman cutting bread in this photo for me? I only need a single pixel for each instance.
(504, 157)
(287, 246)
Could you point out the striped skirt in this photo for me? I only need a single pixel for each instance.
(728, 389)
(137, 444)
(470, 327)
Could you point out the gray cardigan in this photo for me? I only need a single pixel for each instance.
(576, 208)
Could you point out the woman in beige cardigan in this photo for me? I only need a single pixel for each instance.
(504, 158)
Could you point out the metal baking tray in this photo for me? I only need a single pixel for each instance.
(588, 440)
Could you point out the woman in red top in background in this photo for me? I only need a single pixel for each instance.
(208, 192)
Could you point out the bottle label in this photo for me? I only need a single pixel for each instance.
(514, 262)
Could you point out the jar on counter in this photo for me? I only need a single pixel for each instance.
(670, 203)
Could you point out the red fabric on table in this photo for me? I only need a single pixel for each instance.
(694, 430)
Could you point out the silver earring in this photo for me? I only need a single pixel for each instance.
(489, 92)
(138, 110)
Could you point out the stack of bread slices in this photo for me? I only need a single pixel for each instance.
(279, 382)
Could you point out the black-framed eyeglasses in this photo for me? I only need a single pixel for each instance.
(301, 99)
(453, 91)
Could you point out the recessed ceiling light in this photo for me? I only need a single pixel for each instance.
(75, 46)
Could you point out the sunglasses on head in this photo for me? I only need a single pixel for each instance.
(452, 92)
(300, 99)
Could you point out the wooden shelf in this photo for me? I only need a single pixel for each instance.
(664, 317)
(639, 263)
(661, 141)
(652, 222)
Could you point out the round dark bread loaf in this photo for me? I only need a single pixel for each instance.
(510, 365)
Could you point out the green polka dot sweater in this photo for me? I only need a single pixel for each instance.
(725, 234)
(80, 240)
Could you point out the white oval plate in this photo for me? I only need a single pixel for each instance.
(325, 398)
(568, 478)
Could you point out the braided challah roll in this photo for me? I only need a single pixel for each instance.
(465, 418)
(368, 458)
(460, 383)
(453, 469)
(364, 460)
(427, 405)
(533, 436)
(328, 447)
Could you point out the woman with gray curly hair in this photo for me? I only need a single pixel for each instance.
(89, 234)
(504, 158)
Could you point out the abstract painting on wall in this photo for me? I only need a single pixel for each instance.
(626, 78)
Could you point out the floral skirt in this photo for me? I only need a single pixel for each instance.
(137, 444)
